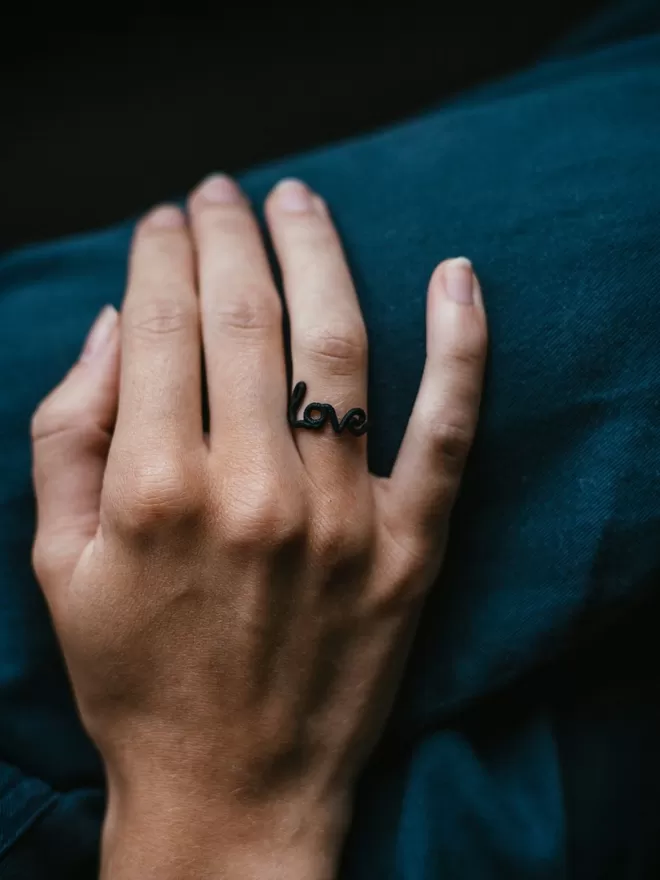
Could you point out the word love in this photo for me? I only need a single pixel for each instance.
(316, 415)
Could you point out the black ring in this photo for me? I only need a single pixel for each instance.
(355, 420)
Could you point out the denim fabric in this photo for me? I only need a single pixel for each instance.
(525, 742)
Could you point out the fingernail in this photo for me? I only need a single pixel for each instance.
(294, 196)
(459, 281)
(220, 189)
(320, 206)
(100, 333)
(165, 217)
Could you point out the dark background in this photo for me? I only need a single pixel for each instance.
(100, 119)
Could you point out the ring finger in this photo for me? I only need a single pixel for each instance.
(328, 336)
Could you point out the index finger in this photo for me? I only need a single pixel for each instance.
(160, 386)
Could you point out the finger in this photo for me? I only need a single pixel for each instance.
(241, 319)
(160, 399)
(420, 493)
(70, 440)
(328, 336)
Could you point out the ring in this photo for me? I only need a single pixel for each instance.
(355, 420)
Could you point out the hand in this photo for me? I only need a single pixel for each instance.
(235, 610)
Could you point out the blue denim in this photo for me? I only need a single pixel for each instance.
(525, 741)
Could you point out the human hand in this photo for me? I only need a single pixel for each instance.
(235, 610)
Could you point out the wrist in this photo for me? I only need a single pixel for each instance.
(187, 834)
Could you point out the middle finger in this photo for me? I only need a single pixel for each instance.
(241, 321)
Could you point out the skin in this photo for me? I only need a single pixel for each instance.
(235, 609)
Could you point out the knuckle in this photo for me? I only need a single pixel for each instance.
(341, 541)
(159, 492)
(403, 589)
(465, 358)
(264, 515)
(405, 563)
(344, 347)
(452, 441)
(407, 552)
(43, 421)
(53, 418)
(49, 559)
(255, 312)
(161, 315)
(41, 558)
(53, 415)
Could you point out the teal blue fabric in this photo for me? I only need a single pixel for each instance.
(525, 742)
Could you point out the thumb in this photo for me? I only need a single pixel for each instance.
(71, 432)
